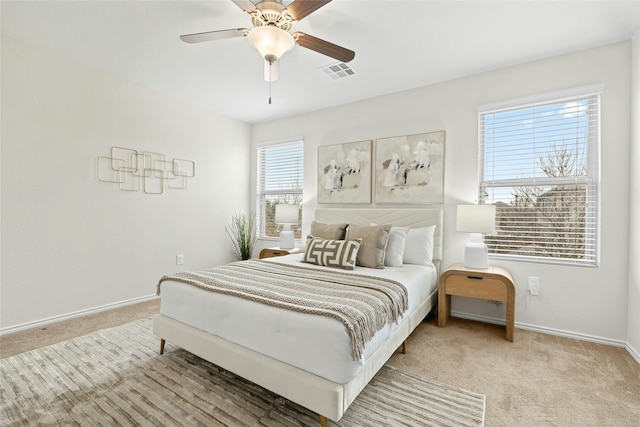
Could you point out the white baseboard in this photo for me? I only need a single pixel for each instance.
(552, 331)
(39, 323)
(633, 352)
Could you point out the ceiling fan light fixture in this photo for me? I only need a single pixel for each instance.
(272, 42)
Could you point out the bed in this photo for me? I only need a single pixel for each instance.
(306, 357)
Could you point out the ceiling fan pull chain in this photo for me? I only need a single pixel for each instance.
(270, 64)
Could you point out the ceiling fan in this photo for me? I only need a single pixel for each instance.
(270, 33)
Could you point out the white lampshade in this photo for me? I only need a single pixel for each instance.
(287, 215)
(476, 219)
(272, 42)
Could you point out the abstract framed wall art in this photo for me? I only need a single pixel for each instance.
(410, 169)
(344, 173)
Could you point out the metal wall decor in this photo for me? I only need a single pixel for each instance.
(133, 170)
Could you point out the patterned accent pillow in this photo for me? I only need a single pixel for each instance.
(332, 253)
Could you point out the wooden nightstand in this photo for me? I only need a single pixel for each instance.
(493, 283)
(271, 252)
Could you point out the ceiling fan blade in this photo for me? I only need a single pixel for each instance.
(245, 5)
(298, 9)
(214, 35)
(324, 47)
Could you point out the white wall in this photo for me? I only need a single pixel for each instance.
(633, 328)
(582, 301)
(71, 243)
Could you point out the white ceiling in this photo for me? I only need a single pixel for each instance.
(399, 45)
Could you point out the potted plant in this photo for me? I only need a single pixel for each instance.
(242, 232)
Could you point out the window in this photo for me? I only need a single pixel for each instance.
(280, 172)
(539, 164)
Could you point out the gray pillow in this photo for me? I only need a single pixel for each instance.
(328, 231)
(374, 243)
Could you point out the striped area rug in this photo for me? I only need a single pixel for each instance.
(116, 377)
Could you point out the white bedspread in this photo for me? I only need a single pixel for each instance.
(317, 344)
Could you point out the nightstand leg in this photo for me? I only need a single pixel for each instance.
(511, 316)
(444, 310)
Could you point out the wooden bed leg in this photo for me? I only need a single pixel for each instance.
(162, 341)
(404, 347)
(323, 421)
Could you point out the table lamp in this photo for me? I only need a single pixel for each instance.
(476, 219)
(286, 215)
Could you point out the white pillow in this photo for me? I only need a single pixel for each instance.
(418, 247)
(395, 246)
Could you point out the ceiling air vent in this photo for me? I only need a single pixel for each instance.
(338, 71)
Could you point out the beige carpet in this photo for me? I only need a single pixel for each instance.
(539, 380)
(116, 377)
(51, 333)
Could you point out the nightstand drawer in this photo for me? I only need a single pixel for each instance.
(473, 286)
(271, 253)
(274, 252)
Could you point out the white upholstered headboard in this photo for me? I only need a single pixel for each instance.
(410, 217)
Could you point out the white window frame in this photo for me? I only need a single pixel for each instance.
(264, 219)
(488, 184)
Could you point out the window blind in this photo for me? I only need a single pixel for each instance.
(280, 176)
(539, 164)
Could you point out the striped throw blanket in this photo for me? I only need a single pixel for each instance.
(364, 304)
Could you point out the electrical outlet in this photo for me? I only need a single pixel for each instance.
(179, 259)
(534, 285)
